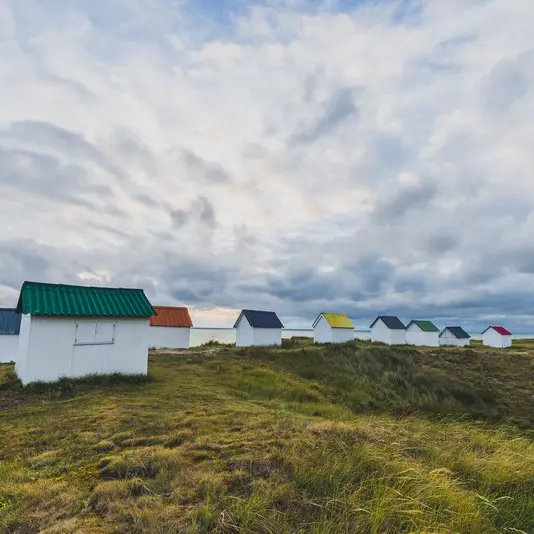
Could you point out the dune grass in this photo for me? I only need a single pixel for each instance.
(302, 439)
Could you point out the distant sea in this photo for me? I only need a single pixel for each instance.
(227, 335)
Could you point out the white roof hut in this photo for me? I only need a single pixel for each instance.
(497, 337)
(454, 336)
(73, 331)
(258, 328)
(332, 328)
(422, 333)
(170, 328)
(389, 330)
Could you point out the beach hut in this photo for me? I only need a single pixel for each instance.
(422, 333)
(389, 330)
(332, 328)
(258, 328)
(454, 336)
(497, 337)
(9, 334)
(72, 331)
(170, 328)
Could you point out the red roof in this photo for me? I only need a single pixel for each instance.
(171, 316)
(501, 330)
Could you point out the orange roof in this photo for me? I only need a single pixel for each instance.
(171, 316)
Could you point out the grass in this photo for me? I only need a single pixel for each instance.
(302, 439)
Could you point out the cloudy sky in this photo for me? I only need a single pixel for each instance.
(356, 156)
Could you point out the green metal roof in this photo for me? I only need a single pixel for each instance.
(336, 320)
(426, 326)
(37, 298)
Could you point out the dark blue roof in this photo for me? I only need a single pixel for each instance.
(9, 321)
(392, 322)
(261, 319)
(457, 331)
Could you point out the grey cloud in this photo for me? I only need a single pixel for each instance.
(44, 134)
(205, 211)
(107, 229)
(340, 107)
(198, 279)
(406, 199)
(201, 210)
(213, 172)
(22, 260)
(27, 259)
(21, 170)
(509, 81)
(133, 150)
(385, 155)
(179, 218)
(440, 243)
(310, 290)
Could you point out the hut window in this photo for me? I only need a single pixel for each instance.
(92, 333)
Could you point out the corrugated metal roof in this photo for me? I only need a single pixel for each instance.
(9, 321)
(499, 329)
(173, 316)
(425, 326)
(335, 320)
(457, 331)
(37, 298)
(260, 319)
(392, 322)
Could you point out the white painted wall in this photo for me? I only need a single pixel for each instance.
(9, 345)
(246, 336)
(342, 335)
(415, 336)
(168, 337)
(324, 333)
(266, 337)
(381, 333)
(447, 339)
(492, 338)
(47, 349)
(244, 333)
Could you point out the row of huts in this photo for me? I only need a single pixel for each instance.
(61, 330)
(390, 330)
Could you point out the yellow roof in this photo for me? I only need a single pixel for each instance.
(338, 320)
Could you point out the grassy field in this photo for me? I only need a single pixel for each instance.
(324, 440)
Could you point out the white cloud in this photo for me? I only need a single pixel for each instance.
(295, 158)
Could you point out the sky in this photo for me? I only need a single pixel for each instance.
(363, 157)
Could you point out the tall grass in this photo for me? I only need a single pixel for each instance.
(318, 440)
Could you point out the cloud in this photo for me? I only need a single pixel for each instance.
(210, 171)
(339, 107)
(404, 200)
(200, 211)
(369, 157)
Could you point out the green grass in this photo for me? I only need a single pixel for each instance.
(303, 439)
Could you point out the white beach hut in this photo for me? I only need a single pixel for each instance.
(332, 328)
(170, 328)
(422, 334)
(454, 336)
(258, 328)
(9, 334)
(497, 337)
(72, 331)
(389, 330)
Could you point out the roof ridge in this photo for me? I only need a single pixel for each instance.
(78, 286)
(43, 298)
